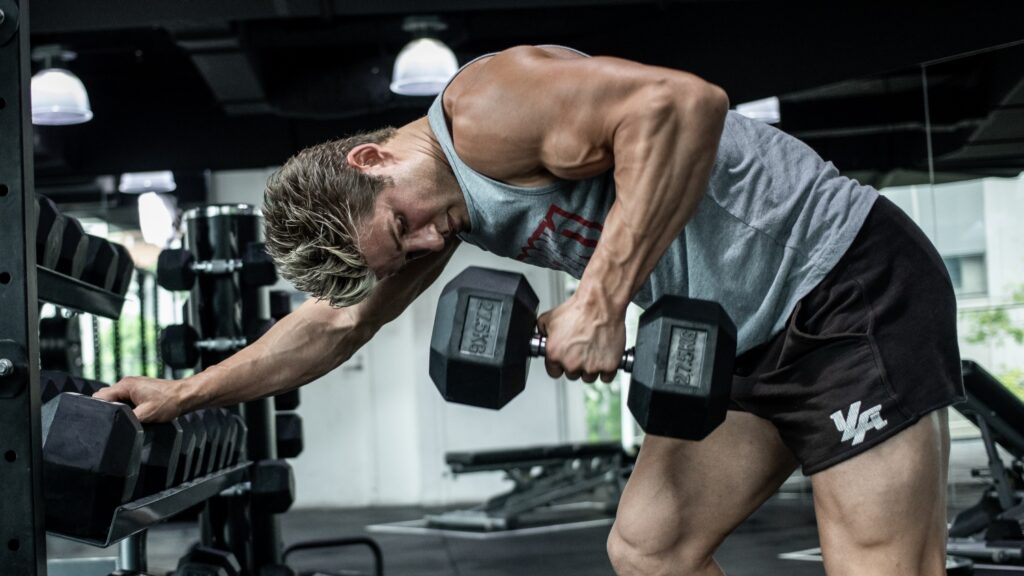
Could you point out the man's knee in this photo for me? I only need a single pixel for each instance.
(659, 555)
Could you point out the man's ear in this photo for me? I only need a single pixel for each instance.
(365, 156)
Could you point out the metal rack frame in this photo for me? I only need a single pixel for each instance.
(22, 528)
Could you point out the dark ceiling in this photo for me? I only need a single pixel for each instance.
(215, 84)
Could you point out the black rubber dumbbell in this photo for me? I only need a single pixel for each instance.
(176, 269)
(273, 486)
(161, 451)
(241, 437)
(180, 345)
(52, 383)
(289, 434)
(60, 344)
(48, 232)
(214, 439)
(101, 263)
(485, 334)
(198, 427)
(125, 270)
(91, 455)
(61, 243)
(208, 561)
(74, 249)
(287, 401)
(187, 454)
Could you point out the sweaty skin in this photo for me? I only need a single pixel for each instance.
(525, 116)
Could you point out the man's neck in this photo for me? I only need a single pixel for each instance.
(416, 137)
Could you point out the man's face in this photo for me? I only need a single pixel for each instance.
(410, 219)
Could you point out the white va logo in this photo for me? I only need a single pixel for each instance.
(856, 423)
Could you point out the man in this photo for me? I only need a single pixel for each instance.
(636, 180)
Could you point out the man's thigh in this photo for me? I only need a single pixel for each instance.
(884, 510)
(684, 497)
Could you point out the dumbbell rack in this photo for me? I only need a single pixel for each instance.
(68, 292)
(23, 286)
(133, 517)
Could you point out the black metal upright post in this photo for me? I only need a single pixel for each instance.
(222, 306)
(22, 528)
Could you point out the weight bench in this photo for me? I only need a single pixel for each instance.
(991, 529)
(545, 478)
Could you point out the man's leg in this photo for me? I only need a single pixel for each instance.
(684, 498)
(884, 511)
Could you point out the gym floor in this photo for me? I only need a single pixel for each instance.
(785, 524)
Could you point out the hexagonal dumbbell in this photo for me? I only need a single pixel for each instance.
(176, 269)
(289, 434)
(198, 427)
(101, 267)
(91, 455)
(161, 452)
(61, 243)
(48, 232)
(125, 270)
(484, 336)
(180, 345)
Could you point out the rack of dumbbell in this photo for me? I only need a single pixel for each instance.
(107, 478)
(224, 267)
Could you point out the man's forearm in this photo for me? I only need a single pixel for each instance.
(310, 341)
(663, 160)
(298, 349)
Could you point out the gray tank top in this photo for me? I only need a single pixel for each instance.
(774, 220)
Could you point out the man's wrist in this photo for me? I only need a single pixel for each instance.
(191, 392)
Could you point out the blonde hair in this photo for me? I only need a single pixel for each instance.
(311, 209)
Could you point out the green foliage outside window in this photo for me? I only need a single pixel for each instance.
(995, 326)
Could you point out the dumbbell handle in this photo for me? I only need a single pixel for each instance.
(218, 266)
(221, 344)
(539, 347)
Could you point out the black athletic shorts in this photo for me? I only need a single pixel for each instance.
(865, 354)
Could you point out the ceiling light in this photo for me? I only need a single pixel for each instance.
(425, 65)
(157, 213)
(139, 182)
(58, 97)
(766, 110)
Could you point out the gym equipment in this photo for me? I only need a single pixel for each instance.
(161, 451)
(198, 426)
(186, 455)
(273, 486)
(60, 241)
(287, 401)
(125, 269)
(180, 345)
(60, 345)
(48, 232)
(91, 455)
(208, 561)
(289, 434)
(101, 263)
(215, 439)
(241, 437)
(177, 269)
(54, 382)
(991, 529)
(225, 424)
(485, 334)
(543, 477)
